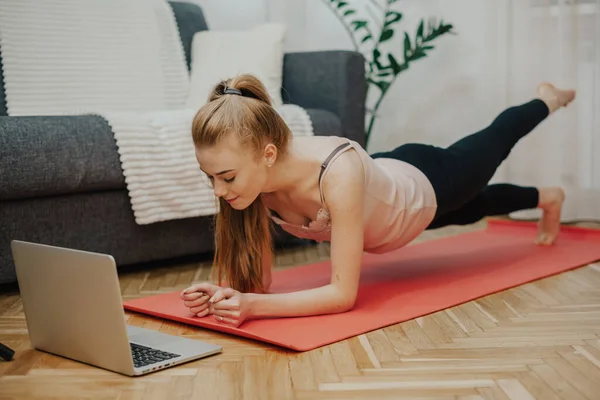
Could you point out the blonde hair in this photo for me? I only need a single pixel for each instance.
(243, 240)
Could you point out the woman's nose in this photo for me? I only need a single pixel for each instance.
(220, 189)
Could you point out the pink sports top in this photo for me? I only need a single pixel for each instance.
(399, 203)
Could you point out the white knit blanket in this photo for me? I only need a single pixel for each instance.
(122, 60)
(64, 57)
(159, 163)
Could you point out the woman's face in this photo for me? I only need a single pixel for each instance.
(235, 172)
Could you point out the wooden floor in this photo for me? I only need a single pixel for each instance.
(537, 341)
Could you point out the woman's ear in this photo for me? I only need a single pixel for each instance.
(270, 154)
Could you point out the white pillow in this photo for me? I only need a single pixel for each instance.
(219, 55)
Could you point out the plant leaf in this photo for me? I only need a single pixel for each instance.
(349, 12)
(418, 53)
(420, 31)
(435, 31)
(341, 4)
(395, 17)
(366, 38)
(382, 85)
(357, 24)
(396, 68)
(386, 35)
(407, 46)
(376, 55)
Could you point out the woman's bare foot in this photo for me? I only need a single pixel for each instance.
(553, 97)
(551, 200)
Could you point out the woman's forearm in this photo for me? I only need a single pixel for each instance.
(323, 300)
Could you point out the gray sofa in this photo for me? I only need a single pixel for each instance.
(61, 181)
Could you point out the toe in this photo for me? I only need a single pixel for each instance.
(545, 239)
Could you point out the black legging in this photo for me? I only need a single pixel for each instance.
(460, 173)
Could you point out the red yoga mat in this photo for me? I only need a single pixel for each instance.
(416, 280)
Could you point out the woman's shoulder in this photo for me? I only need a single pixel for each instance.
(326, 153)
(344, 167)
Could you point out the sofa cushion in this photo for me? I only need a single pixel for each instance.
(41, 156)
(54, 155)
(325, 123)
(258, 51)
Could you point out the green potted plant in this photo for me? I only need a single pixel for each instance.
(383, 67)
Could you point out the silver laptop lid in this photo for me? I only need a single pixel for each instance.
(72, 304)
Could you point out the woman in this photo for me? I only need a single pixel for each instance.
(329, 189)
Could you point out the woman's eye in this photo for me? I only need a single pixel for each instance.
(229, 180)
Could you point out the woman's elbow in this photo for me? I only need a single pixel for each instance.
(345, 303)
(342, 299)
(346, 307)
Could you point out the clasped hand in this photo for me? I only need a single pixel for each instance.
(227, 305)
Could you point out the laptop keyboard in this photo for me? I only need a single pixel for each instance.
(143, 355)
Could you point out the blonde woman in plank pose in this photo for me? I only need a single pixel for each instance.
(328, 188)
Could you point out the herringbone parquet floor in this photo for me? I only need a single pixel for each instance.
(537, 341)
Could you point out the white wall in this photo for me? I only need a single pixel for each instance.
(243, 14)
(233, 14)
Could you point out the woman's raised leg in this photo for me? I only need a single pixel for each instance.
(473, 160)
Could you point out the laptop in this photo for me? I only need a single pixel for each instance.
(73, 308)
